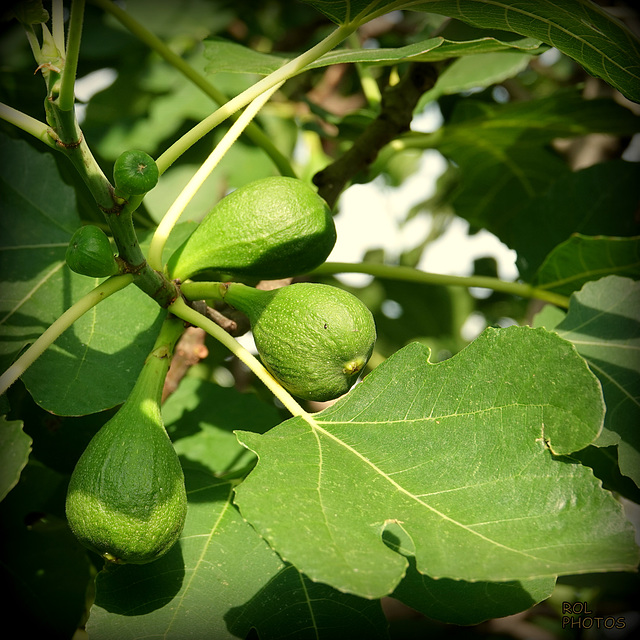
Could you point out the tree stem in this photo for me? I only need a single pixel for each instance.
(396, 113)
(409, 274)
(202, 291)
(53, 332)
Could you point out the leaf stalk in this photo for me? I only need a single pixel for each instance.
(37, 129)
(177, 208)
(66, 98)
(409, 274)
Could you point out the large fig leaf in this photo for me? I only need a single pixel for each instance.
(604, 324)
(224, 55)
(42, 567)
(200, 418)
(578, 28)
(221, 580)
(15, 446)
(464, 454)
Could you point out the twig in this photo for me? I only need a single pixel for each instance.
(397, 105)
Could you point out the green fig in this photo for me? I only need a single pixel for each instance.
(134, 173)
(126, 499)
(270, 228)
(315, 339)
(90, 254)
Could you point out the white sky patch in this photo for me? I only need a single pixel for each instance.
(370, 217)
(87, 86)
(455, 251)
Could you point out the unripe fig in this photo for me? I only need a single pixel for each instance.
(126, 499)
(270, 228)
(89, 253)
(315, 339)
(134, 173)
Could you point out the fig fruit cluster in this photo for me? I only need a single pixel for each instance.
(314, 339)
(126, 499)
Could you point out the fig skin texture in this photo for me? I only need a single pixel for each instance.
(315, 339)
(270, 228)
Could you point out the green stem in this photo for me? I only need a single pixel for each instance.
(52, 333)
(253, 132)
(57, 24)
(285, 72)
(182, 310)
(37, 129)
(409, 274)
(160, 356)
(66, 100)
(175, 211)
(202, 290)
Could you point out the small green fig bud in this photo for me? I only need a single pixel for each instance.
(89, 253)
(315, 339)
(135, 173)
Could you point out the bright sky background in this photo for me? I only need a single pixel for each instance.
(370, 215)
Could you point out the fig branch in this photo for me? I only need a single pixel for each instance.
(59, 326)
(409, 274)
(396, 112)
